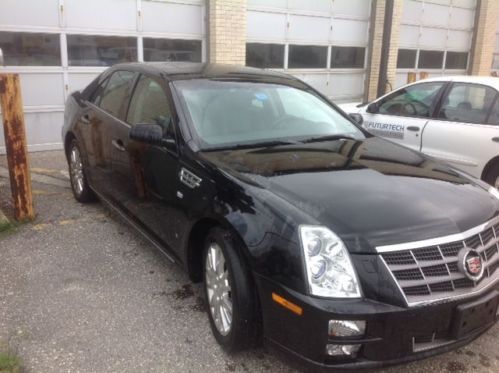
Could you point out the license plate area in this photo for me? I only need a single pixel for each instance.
(472, 316)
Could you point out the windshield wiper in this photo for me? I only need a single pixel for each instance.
(266, 144)
(328, 138)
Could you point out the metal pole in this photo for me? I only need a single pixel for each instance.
(15, 143)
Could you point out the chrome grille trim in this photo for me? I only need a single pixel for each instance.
(426, 271)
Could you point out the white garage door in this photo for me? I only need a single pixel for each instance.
(435, 37)
(59, 46)
(323, 42)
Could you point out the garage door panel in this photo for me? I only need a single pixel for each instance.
(29, 12)
(470, 4)
(310, 29)
(412, 11)
(433, 37)
(358, 8)
(43, 130)
(317, 80)
(310, 5)
(435, 15)
(268, 3)
(409, 35)
(459, 40)
(349, 32)
(266, 26)
(172, 18)
(78, 81)
(98, 14)
(351, 85)
(42, 89)
(462, 18)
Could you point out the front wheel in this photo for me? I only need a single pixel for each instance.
(77, 176)
(231, 296)
(492, 176)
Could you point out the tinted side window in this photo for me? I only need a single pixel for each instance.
(113, 96)
(494, 114)
(414, 101)
(469, 103)
(149, 105)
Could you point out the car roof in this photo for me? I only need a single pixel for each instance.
(193, 70)
(485, 80)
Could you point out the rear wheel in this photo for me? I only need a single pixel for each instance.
(77, 176)
(492, 175)
(230, 294)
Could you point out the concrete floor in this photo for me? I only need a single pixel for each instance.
(80, 291)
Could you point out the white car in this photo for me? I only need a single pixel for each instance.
(454, 119)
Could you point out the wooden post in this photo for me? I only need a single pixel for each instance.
(411, 78)
(15, 143)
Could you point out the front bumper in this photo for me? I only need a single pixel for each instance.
(393, 335)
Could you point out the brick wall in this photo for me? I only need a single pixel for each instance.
(227, 31)
(484, 39)
(377, 31)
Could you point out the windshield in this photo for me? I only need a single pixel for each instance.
(227, 114)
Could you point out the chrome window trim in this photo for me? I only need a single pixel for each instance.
(439, 240)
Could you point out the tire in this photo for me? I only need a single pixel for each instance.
(492, 175)
(77, 175)
(244, 329)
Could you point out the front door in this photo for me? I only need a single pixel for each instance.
(402, 116)
(464, 131)
(147, 175)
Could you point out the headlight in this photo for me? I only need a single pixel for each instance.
(330, 272)
(494, 192)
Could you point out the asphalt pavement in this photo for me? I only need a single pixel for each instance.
(80, 291)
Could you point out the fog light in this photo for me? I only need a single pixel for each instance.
(342, 350)
(346, 328)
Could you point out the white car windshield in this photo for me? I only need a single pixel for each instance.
(229, 113)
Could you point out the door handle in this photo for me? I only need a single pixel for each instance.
(85, 119)
(118, 144)
(413, 128)
(495, 139)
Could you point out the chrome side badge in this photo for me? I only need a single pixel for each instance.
(189, 179)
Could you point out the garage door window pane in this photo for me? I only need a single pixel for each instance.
(265, 55)
(90, 50)
(406, 59)
(30, 49)
(115, 92)
(172, 50)
(347, 57)
(431, 59)
(307, 57)
(467, 103)
(456, 60)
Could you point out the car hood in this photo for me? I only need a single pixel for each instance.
(370, 192)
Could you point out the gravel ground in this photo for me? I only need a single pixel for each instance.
(80, 291)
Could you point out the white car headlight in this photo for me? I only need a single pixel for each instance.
(329, 269)
(494, 192)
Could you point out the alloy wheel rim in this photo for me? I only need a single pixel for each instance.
(218, 289)
(496, 184)
(76, 170)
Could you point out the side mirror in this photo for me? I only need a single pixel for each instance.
(372, 108)
(147, 133)
(357, 118)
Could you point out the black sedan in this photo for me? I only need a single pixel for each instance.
(337, 247)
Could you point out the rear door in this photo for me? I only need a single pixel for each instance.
(105, 116)
(465, 128)
(402, 115)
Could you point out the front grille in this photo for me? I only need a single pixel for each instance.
(431, 272)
